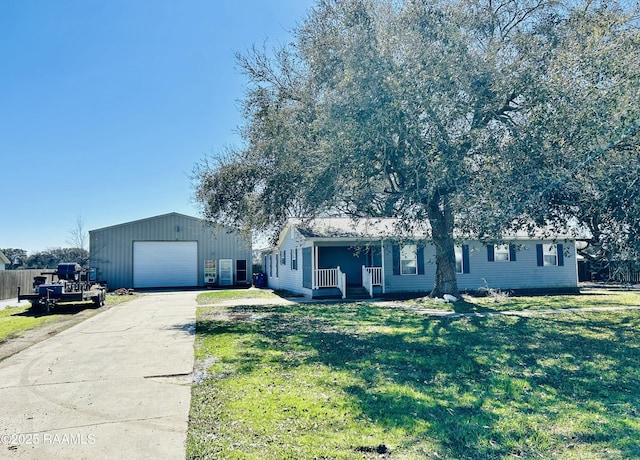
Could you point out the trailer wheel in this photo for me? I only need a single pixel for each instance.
(98, 300)
(35, 304)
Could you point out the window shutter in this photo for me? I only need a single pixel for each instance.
(560, 255)
(540, 255)
(395, 250)
(465, 258)
(420, 257)
(491, 255)
(512, 252)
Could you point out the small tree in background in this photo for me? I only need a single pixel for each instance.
(78, 235)
(52, 257)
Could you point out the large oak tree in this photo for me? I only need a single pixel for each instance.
(474, 115)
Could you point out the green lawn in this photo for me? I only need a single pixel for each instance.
(213, 297)
(357, 380)
(593, 298)
(14, 321)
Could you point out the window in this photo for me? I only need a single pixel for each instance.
(409, 259)
(550, 254)
(283, 257)
(459, 262)
(501, 253)
(462, 258)
(294, 259)
(241, 271)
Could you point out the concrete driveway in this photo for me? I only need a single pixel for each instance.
(115, 386)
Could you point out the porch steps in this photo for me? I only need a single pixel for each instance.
(357, 293)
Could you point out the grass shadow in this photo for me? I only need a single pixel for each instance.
(463, 306)
(474, 387)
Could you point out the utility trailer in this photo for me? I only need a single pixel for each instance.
(73, 284)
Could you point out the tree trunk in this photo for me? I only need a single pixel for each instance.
(442, 223)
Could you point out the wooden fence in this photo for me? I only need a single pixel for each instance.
(11, 279)
(625, 275)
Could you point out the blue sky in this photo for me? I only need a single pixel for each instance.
(106, 106)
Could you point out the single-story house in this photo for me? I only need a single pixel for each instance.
(3, 261)
(170, 250)
(334, 257)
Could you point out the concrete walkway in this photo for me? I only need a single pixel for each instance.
(115, 386)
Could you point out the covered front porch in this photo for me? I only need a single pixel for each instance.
(333, 269)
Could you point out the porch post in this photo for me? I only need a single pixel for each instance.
(314, 267)
(383, 259)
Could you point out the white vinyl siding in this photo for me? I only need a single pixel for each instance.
(522, 273)
(287, 272)
(165, 264)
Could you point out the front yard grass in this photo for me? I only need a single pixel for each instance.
(213, 297)
(356, 380)
(16, 320)
(589, 298)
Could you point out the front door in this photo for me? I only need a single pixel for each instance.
(226, 272)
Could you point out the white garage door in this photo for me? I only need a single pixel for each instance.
(165, 263)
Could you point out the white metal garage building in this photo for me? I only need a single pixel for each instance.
(171, 250)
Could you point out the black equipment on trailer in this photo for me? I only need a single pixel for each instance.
(73, 285)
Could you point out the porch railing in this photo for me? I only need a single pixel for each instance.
(342, 283)
(371, 276)
(330, 277)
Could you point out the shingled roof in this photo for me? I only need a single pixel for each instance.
(363, 228)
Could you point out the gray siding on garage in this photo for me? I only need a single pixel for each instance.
(111, 248)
